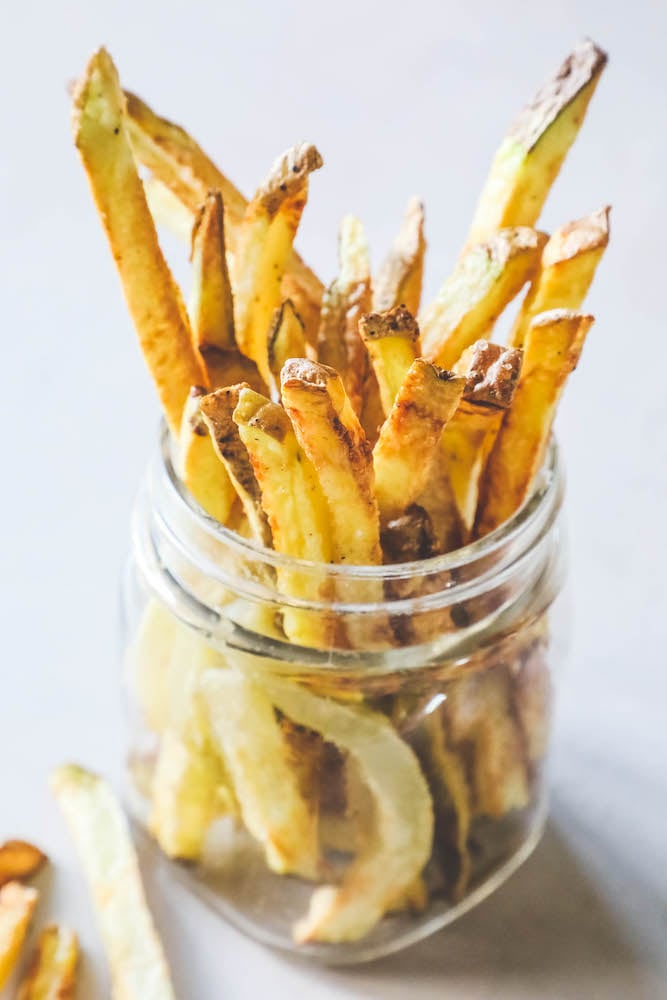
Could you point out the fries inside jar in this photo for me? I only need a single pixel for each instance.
(343, 600)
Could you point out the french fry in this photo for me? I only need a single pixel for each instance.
(275, 812)
(400, 279)
(552, 350)
(217, 409)
(167, 210)
(569, 262)
(329, 432)
(52, 971)
(531, 155)
(286, 340)
(102, 838)
(179, 164)
(19, 860)
(17, 905)
(487, 277)
(425, 402)
(492, 373)
(402, 837)
(265, 246)
(295, 505)
(339, 343)
(198, 464)
(152, 296)
(392, 342)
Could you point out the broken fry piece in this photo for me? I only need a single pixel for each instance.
(152, 295)
(425, 402)
(19, 860)
(17, 905)
(487, 277)
(569, 262)
(552, 350)
(102, 838)
(52, 971)
(400, 279)
(265, 246)
(286, 340)
(531, 155)
(392, 342)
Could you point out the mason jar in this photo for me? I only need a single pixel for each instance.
(354, 788)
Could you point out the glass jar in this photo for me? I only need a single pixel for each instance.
(352, 789)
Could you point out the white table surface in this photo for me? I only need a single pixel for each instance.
(402, 99)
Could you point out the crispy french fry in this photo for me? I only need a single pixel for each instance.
(178, 163)
(101, 834)
(485, 280)
(392, 342)
(339, 343)
(217, 409)
(492, 373)
(329, 432)
(152, 296)
(531, 155)
(273, 808)
(295, 505)
(198, 464)
(552, 350)
(401, 841)
(52, 971)
(425, 402)
(569, 261)
(265, 246)
(17, 905)
(19, 860)
(286, 340)
(400, 279)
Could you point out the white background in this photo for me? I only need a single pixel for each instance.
(401, 98)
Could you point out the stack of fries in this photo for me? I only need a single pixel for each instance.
(346, 425)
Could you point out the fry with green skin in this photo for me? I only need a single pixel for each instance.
(17, 905)
(264, 248)
(217, 410)
(330, 434)
(569, 262)
(295, 506)
(487, 277)
(286, 340)
(152, 295)
(425, 402)
(392, 342)
(552, 350)
(102, 837)
(52, 971)
(399, 281)
(531, 155)
(339, 343)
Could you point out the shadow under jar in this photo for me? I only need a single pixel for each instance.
(350, 789)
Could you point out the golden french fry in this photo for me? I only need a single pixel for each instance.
(152, 296)
(569, 261)
(552, 350)
(339, 343)
(265, 246)
(19, 860)
(492, 373)
(217, 409)
(425, 402)
(273, 808)
(485, 280)
(295, 505)
(531, 155)
(180, 165)
(286, 340)
(198, 464)
(401, 840)
(329, 432)
(102, 838)
(17, 905)
(52, 971)
(399, 282)
(392, 342)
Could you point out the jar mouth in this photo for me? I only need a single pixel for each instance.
(532, 519)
